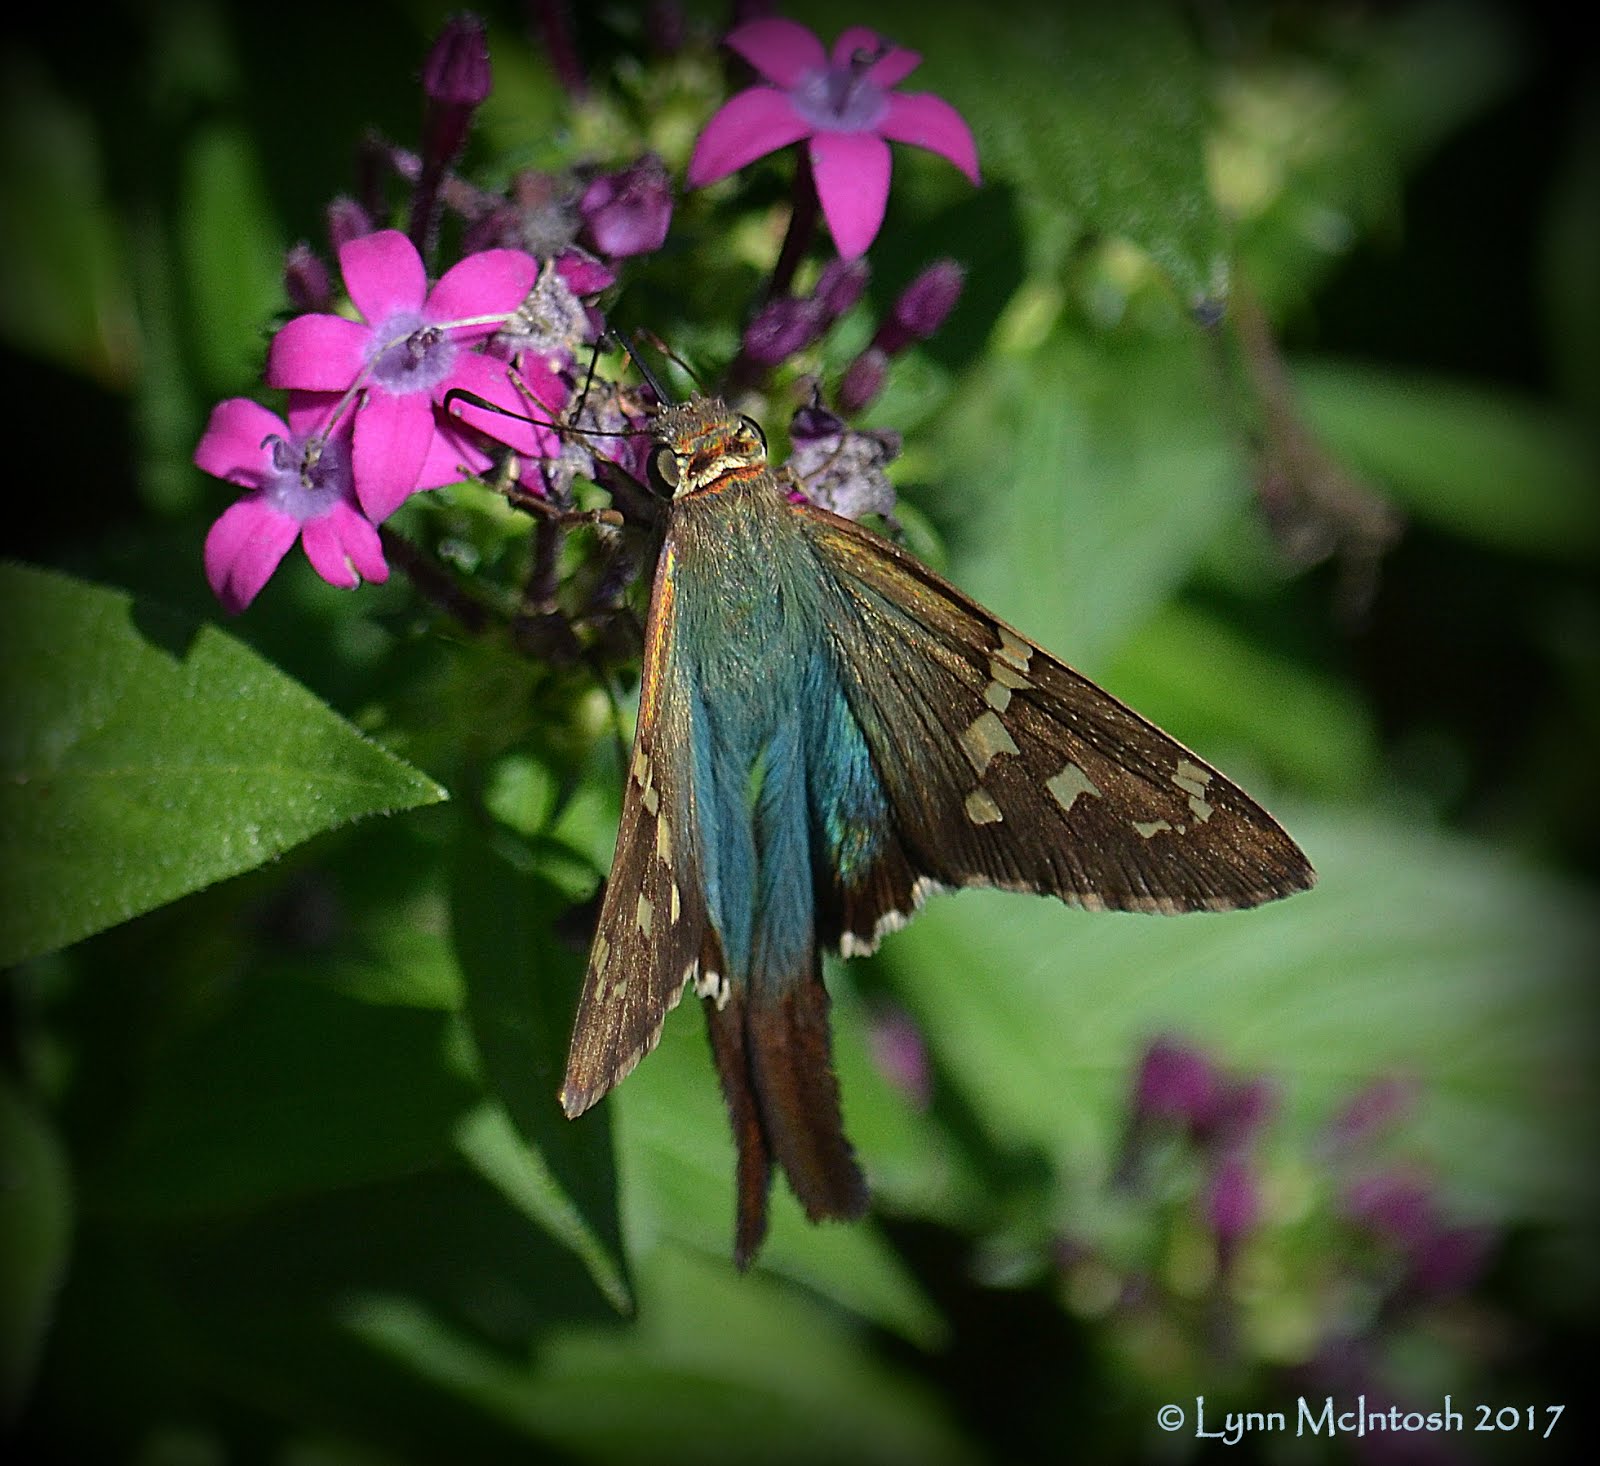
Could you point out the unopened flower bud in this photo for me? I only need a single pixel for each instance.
(306, 280)
(922, 307)
(863, 380)
(628, 212)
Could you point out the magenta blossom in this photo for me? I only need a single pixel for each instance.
(844, 103)
(411, 347)
(300, 488)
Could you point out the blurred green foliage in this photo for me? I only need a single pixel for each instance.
(284, 1179)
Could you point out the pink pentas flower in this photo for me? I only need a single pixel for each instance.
(301, 487)
(410, 348)
(844, 104)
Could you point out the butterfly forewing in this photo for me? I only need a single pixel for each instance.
(1005, 767)
(653, 939)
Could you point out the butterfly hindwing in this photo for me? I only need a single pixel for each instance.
(1004, 767)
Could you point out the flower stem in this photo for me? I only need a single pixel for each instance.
(802, 230)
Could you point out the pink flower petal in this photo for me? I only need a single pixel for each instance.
(783, 51)
(318, 353)
(392, 438)
(895, 64)
(383, 274)
(894, 67)
(488, 378)
(450, 459)
(493, 282)
(243, 548)
(852, 173)
(309, 412)
(757, 121)
(362, 546)
(231, 446)
(931, 122)
(326, 554)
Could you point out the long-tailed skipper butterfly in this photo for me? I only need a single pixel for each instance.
(828, 732)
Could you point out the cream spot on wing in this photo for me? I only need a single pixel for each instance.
(641, 768)
(1066, 786)
(1006, 675)
(981, 808)
(985, 739)
(1147, 828)
(645, 915)
(998, 696)
(664, 840)
(677, 903)
(602, 950)
(1194, 781)
(1014, 649)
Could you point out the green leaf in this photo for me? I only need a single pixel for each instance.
(1094, 479)
(1098, 113)
(522, 994)
(719, 1368)
(1484, 464)
(145, 756)
(35, 1239)
(1196, 676)
(288, 1089)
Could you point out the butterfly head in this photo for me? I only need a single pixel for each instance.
(703, 445)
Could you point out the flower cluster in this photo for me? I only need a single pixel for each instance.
(408, 381)
(1362, 1244)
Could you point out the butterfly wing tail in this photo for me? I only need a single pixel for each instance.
(774, 1055)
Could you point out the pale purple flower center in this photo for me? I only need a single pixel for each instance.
(842, 98)
(310, 476)
(418, 360)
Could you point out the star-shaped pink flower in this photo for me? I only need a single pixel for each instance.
(298, 474)
(846, 105)
(411, 347)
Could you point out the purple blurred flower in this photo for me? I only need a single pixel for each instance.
(628, 212)
(300, 487)
(1373, 1110)
(1175, 1082)
(845, 104)
(1232, 1205)
(409, 350)
(1393, 1206)
(901, 1054)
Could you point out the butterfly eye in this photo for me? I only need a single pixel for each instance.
(664, 472)
(752, 427)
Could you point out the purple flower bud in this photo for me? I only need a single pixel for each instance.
(1393, 1206)
(1233, 1200)
(455, 80)
(306, 280)
(1175, 1083)
(1237, 1111)
(839, 287)
(780, 329)
(863, 380)
(457, 72)
(922, 307)
(901, 1055)
(1373, 1110)
(347, 220)
(628, 212)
